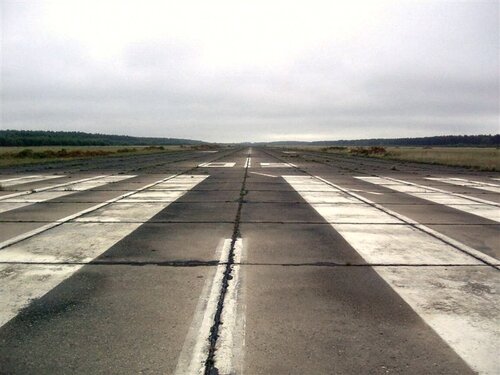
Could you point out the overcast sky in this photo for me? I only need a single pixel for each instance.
(251, 71)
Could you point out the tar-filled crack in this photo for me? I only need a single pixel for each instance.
(210, 368)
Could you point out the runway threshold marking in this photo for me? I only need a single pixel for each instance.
(47, 193)
(459, 303)
(25, 179)
(229, 344)
(32, 266)
(468, 183)
(472, 205)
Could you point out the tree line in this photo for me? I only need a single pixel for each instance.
(486, 140)
(59, 138)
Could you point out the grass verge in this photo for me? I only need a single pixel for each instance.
(12, 156)
(478, 158)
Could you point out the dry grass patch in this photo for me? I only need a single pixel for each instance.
(44, 154)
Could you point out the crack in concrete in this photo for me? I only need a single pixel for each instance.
(281, 222)
(210, 368)
(214, 263)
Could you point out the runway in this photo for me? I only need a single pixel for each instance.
(249, 260)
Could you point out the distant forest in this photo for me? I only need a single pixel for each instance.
(59, 138)
(442, 140)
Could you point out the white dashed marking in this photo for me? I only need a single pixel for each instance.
(248, 162)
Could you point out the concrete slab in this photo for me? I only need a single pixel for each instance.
(105, 319)
(342, 320)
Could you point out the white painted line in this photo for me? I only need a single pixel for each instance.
(217, 165)
(230, 343)
(458, 245)
(23, 200)
(45, 188)
(366, 191)
(264, 174)
(277, 165)
(386, 244)
(25, 180)
(71, 242)
(468, 183)
(6, 180)
(43, 228)
(248, 163)
(196, 345)
(433, 189)
(472, 205)
(459, 303)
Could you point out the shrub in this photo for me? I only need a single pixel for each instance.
(373, 150)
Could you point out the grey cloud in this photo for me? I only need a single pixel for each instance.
(429, 70)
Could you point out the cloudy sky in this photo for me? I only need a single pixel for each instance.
(251, 70)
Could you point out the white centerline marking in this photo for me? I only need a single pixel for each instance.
(476, 206)
(45, 194)
(196, 345)
(459, 303)
(229, 347)
(71, 242)
(248, 163)
(468, 183)
(25, 180)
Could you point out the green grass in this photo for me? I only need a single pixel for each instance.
(10, 156)
(479, 158)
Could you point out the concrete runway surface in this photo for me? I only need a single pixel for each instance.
(248, 261)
